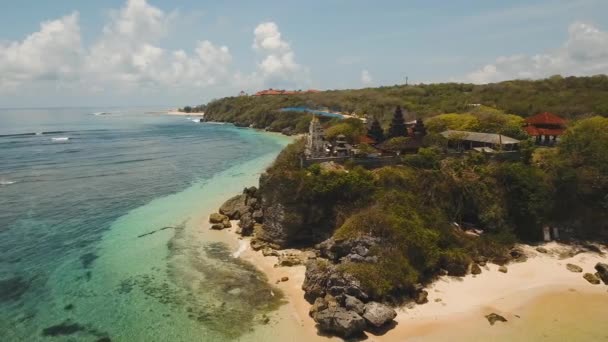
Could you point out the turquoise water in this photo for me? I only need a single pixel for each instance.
(313, 111)
(102, 235)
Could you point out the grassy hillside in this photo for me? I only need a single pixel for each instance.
(570, 97)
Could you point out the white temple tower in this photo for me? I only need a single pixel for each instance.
(315, 146)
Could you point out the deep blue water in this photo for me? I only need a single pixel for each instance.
(59, 197)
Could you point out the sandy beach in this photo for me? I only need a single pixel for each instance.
(178, 113)
(540, 298)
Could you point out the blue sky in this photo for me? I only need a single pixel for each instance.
(159, 52)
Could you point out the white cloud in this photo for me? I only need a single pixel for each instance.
(128, 58)
(366, 77)
(53, 53)
(584, 53)
(278, 64)
(127, 53)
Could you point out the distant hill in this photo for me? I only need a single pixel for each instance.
(570, 97)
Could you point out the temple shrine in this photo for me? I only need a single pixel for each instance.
(547, 125)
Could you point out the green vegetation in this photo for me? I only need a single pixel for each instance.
(570, 97)
(412, 207)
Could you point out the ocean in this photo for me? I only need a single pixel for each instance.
(101, 234)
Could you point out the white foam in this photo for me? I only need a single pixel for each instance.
(242, 248)
(5, 182)
(60, 139)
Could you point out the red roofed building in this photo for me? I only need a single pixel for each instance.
(545, 124)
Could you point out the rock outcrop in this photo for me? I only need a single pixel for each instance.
(288, 221)
(602, 270)
(355, 250)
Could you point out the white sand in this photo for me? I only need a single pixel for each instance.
(177, 112)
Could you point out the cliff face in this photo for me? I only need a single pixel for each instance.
(288, 220)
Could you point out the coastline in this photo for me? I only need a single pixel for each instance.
(527, 296)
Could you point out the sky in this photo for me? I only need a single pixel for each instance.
(177, 52)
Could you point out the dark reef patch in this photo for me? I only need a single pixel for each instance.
(69, 328)
(68, 307)
(87, 259)
(154, 231)
(11, 289)
(64, 328)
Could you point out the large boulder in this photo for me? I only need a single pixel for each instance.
(354, 304)
(602, 270)
(217, 218)
(235, 207)
(574, 268)
(340, 321)
(377, 314)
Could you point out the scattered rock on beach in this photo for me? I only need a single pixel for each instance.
(574, 268)
(602, 270)
(217, 226)
(591, 278)
(518, 255)
(503, 269)
(284, 279)
(475, 269)
(542, 250)
(217, 218)
(494, 317)
(420, 294)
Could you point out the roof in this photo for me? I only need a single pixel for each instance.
(366, 139)
(545, 118)
(489, 138)
(535, 131)
(484, 149)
